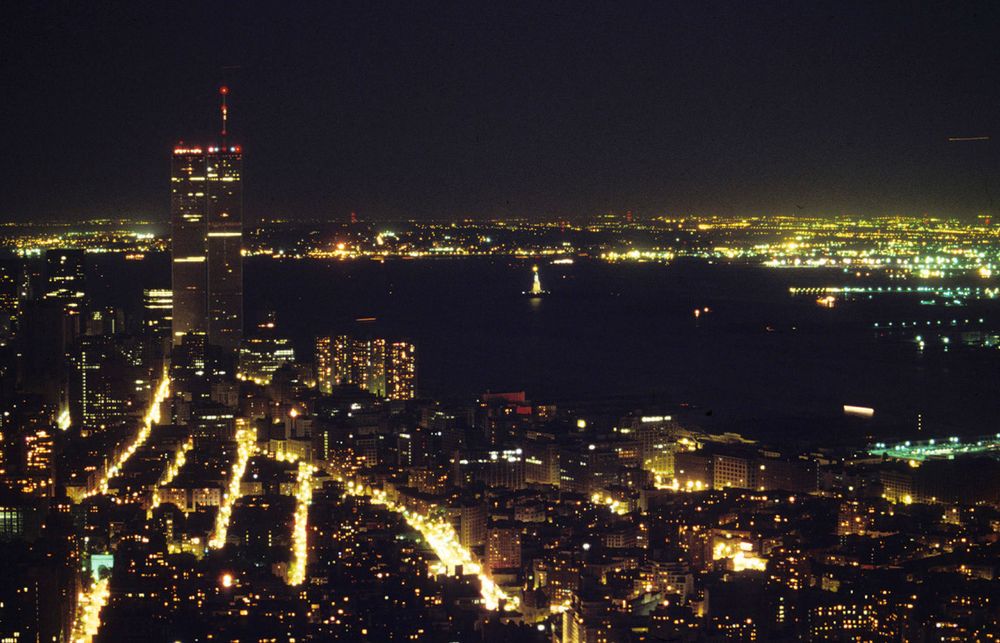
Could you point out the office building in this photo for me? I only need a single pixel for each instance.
(324, 364)
(99, 394)
(382, 367)
(264, 353)
(157, 309)
(503, 546)
(206, 210)
(65, 276)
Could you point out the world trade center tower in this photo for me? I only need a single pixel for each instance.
(206, 213)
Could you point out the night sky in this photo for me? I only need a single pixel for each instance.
(538, 109)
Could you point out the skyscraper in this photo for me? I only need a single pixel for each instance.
(385, 368)
(206, 209)
(65, 276)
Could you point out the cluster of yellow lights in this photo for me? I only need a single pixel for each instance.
(245, 446)
(300, 550)
(88, 611)
(172, 470)
(741, 555)
(441, 536)
(152, 416)
(259, 381)
(616, 506)
(638, 255)
(661, 482)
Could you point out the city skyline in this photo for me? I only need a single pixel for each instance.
(487, 112)
(590, 422)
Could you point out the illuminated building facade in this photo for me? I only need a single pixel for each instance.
(157, 308)
(9, 302)
(503, 546)
(324, 364)
(264, 353)
(401, 371)
(98, 394)
(206, 212)
(65, 276)
(39, 460)
(384, 368)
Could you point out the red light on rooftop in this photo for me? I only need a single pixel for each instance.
(223, 90)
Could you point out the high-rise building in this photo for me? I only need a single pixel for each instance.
(264, 352)
(401, 371)
(206, 209)
(157, 309)
(10, 304)
(503, 546)
(64, 276)
(385, 368)
(324, 364)
(99, 393)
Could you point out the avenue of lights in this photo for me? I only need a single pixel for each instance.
(441, 537)
(303, 498)
(88, 613)
(245, 447)
(152, 416)
(172, 470)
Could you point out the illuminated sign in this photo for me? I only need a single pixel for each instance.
(101, 565)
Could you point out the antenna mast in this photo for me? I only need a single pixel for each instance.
(224, 91)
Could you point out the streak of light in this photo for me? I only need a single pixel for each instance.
(300, 550)
(172, 470)
(441, 536)
(245, 446)
(152, 416)
(88, 611)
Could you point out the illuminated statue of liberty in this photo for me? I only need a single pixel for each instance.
(536, 285)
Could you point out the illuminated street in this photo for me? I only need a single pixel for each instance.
(152, 416)
(88, 615)
(245, 447)
(303, 497)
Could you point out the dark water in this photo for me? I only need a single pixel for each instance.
(760, 361)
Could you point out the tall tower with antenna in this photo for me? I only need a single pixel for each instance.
(206, 209)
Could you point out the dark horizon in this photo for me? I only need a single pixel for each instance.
(405, 112)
